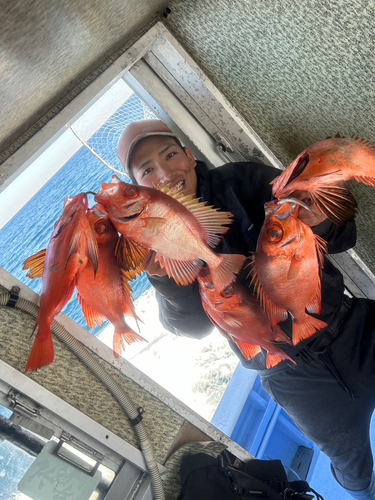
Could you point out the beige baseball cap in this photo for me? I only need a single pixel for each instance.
(135, 132)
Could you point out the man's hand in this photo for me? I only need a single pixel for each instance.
(312, 218)
(153, 268)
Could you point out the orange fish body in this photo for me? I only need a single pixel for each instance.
(178, 228)
(286, 270)
(107, 294)
(236, 312)
(323, 168)
(71, 246)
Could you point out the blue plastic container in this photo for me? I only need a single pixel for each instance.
(249, 416)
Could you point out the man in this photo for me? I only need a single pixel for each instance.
(329, 392)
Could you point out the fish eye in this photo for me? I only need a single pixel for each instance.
(101, 227)
(130, 192)
(209, 284)
(275, 233)
(228, 292)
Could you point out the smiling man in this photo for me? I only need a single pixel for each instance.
(329, 392)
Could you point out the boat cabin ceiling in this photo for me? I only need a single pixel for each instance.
(297, 73)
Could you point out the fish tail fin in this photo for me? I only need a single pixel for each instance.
(275, 359)
(224, 274)
(307, 328)
(42, 352)
(122, 335)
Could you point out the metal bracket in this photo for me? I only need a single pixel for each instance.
(222, 144)
(14, 296)
(23, 405)
(57, 451)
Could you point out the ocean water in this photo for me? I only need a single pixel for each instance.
(30, 229)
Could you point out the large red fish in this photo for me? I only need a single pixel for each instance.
(322, 169)
(107, 294)
(236, 311)
(286, 270)
(71, 247)
(178, 228)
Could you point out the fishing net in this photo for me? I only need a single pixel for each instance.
(100, 127)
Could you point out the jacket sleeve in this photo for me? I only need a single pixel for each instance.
(180, 308)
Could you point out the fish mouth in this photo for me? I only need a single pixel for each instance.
(299, 168)
(130, 217)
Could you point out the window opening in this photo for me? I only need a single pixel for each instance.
(19, 448)
(210, 362)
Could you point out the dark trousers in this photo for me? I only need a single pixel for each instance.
(332, 398)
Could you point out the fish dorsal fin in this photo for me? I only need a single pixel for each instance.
(248, 350)
(276, 314)
(35, 264)
(321, 249)
(214, 222)
(364, 142)
(131, 256)
(183, 272)
(91, 315)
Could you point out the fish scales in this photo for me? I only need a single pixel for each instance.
(286, 270)
(238, 316)
(180, 236)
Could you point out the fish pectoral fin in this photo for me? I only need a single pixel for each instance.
(91, 315)
(154, 223)
(131, 257)
(294, 268)
(247, 350)
(183, 272)
(231, 320)
(335, 201)
(35, 264)
(92, 250)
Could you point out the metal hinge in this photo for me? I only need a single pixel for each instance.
(23, 405)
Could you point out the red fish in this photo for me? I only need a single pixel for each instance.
(322, 169)
(286, 270)
(178, 228)
(236, 313)
(71, 247)
(107, 294)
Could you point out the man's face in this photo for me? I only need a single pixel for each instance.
(159, 160)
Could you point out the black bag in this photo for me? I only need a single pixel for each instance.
(206, 478)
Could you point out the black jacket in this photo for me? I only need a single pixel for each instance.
(243, 189)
